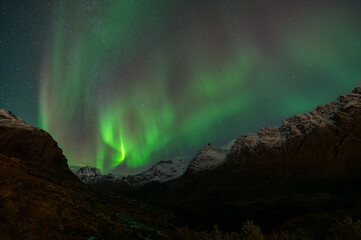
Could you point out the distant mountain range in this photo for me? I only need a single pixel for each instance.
(321, 143)
(264, 174)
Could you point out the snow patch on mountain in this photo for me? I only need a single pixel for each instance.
(161, 172)
(91, 175)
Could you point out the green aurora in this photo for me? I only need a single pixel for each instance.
(126, 83)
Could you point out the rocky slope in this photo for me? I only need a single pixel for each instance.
(40, 198)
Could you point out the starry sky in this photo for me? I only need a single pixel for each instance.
(122, 84)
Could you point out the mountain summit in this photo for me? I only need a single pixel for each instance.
(88, 175)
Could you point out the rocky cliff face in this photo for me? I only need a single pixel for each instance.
(40, 198)
(32, 145)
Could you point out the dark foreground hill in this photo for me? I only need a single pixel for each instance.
(40, 198)
(309, 168)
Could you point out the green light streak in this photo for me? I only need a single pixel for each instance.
(116, 97)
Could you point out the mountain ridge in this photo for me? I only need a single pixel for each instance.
(276, 139)
(311, 154)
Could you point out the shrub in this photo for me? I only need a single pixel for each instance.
(250, 231)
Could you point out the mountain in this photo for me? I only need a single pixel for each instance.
(161, 172)
(35, 147)
(322, 143)
(311, 164)
(40, 198)
(89, 175)
(208, 158)
(278, 173)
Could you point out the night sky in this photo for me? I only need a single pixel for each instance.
(121, 84)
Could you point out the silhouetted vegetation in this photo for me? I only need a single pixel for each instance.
(249, 231)
(338, 229)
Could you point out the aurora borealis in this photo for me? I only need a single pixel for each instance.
(123, 84)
